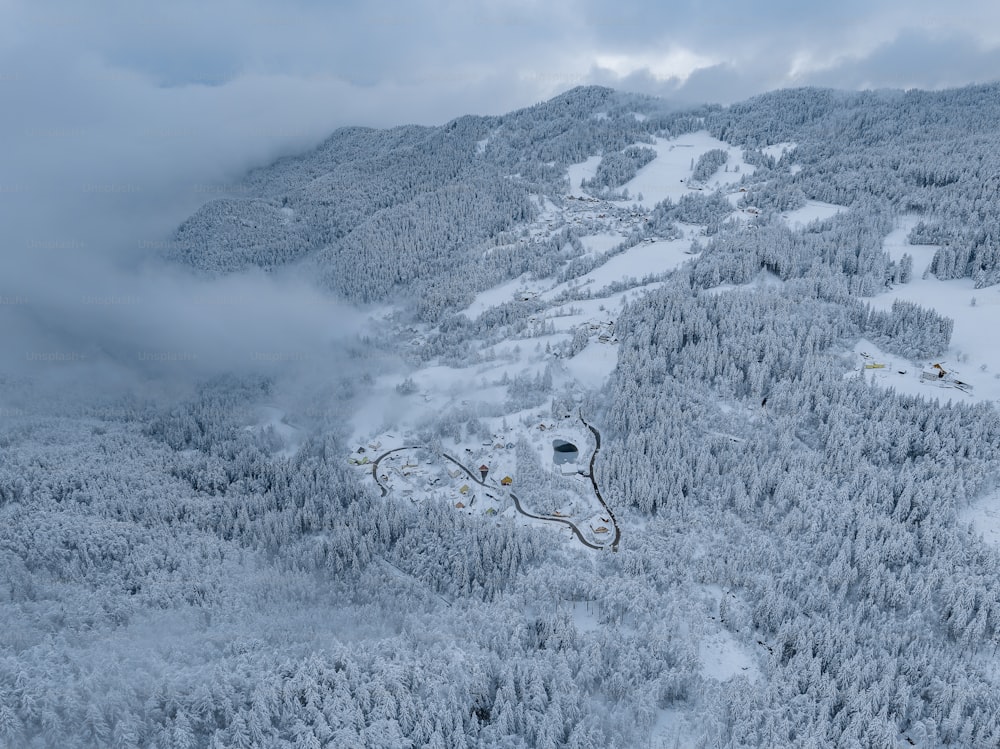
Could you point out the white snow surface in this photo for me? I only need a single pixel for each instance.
(667, 175)
(972, 356)
(636, 262)
(813, 210)
(579, 172)
(723, 658)
(984, 516)
(592, 366)
(505, 292)
(777, 150)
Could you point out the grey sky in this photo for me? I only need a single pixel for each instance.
(119, 118)
(193, 89)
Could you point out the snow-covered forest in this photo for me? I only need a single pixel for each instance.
(764, 328)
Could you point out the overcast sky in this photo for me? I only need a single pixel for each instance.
(119, 118)
(141, 95)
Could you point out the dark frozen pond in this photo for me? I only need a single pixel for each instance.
(564, 452)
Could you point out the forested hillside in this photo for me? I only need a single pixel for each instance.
(753, 355)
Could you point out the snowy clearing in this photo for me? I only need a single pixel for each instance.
(596, 243)
(666, 176)
(579, 172)
(723, 658)
(897, 245)
(984, 516)
(902, 375)
(592, 366)
(974, 311)
(764, 279)
(777, 150)
(813, 210)
(517, 288)
(636, 262)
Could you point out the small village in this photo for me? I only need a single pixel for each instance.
(482, 479)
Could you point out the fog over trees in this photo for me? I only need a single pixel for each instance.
(173, 577)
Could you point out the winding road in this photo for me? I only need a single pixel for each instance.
(597, 491)
(613, 545)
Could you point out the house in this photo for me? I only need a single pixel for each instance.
(464, 489)
(491, 511)
(459, 506)
(936, 372)
(599, 529)
(506, 481)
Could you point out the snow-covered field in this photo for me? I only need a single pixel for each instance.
(813, 210)
(724, 658)
(972, 356)
(777, 150)
(667, 175)
(503, 293)
(984, 516)
(579, 172)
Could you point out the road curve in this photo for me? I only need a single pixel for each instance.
(379, 460)
(520, 508)
(597, 491)
(517, 502)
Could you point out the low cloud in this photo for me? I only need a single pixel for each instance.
(104, 323)
(918, 59)
(136, 115)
